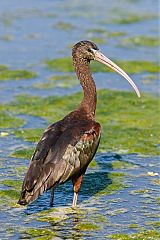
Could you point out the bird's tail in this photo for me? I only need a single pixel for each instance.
(37, 180)
(28, 197)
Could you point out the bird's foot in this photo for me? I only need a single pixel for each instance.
(74, 203)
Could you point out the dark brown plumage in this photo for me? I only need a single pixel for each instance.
(68, 146)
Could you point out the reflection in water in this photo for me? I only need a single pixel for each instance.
(92, 184)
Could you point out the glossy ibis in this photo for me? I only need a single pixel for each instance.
(68, 146)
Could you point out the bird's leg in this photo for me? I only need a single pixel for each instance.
(76, 187)
(52, 197)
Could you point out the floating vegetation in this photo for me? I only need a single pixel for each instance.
(60, 64)
(117, 211)
(139, 191)
(133, 132)
(52, 219)
(116, 34)
(9, 196)
(103, 33)
(97, 30)
(158, 200)
(141, 41)
(87, 226)
(155, 224)
(62, 81)
(31, 135)
(3, 68)
(93, 164)
(65, 65)
(64, 26)
(16, 184)
(10, 193)
(116, 184)
(132, 18)
(7, 38)
(23, 153)
(8, 120)
(9, 74)
(123, 165)
(38, 233)
(149, 78)
(20, 171)
(156, 182)
(133, 225)
(98, 40)
(145, 235)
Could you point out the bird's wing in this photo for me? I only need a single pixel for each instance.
(61, 153)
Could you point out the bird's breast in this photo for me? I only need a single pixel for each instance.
(85, 150)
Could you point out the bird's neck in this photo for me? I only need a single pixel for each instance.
(89, 88)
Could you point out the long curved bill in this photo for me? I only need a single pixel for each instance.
(103, 59)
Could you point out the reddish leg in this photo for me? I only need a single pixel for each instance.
(76, 187)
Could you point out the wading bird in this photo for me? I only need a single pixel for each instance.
(68, 146)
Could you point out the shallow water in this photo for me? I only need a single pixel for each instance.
(120, 191)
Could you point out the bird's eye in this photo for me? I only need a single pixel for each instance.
(89, 50)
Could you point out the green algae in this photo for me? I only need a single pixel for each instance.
(30, 135)
(99, 218)
(55, 215)
(98, 40)
(87, 226)
(16, 184)
(117, 183)
(158, 200)
(116, 212)
(132, 18)
(103, 33)
(123, 165)
(20, 171)
(52, 219)
(152, 215)
(133, 225)
(3, 68)
(64, 26)
(45, 85)
(60, 64)
(116, 34)
(156, 182)
(149, 78)
(22, 153)
(155, 224)
(139, 191)
(11, 194)
(97, 31)
(8, 120)
(129, 124)
(93, 164)
(141, 41)
(43, 233)
(7, 38)
(61, 81)
(65, 65)
(144, 235)
(17, 74)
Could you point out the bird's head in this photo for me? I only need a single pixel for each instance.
(89, 51)
(85, 50)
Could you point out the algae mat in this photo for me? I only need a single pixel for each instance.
(129, 124)
(121, 183)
